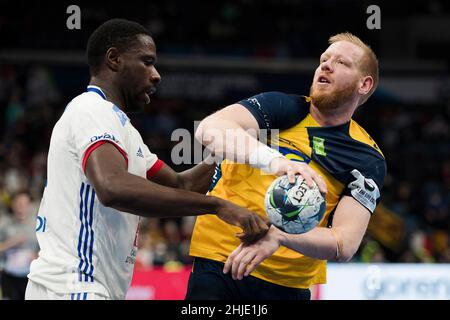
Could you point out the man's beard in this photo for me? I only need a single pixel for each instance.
(327, 101)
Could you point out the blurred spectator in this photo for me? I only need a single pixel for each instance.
(421, 246)
(19, 246)
(371, 252)
(15, 108)
(40, 87)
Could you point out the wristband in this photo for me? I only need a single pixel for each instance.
(262, 156)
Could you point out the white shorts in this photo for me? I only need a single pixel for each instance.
(36, 291)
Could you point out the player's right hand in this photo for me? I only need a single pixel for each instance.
(281, 166)
(246, 257)
(253, 225)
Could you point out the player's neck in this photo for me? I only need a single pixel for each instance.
(110, 91)
(331, 117)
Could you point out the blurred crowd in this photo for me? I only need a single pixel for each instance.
(414, 138)
(244, 28)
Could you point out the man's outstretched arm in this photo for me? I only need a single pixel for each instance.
(117, 188)
(196, 179)
(232, 133)
(340, 242)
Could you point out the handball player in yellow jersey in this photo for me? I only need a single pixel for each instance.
(317, 139)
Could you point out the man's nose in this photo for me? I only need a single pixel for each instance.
(155, 76)
(326, 66)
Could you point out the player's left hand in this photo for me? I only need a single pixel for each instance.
(281, 166)
(245, 258)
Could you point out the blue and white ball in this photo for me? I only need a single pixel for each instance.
(294, 208)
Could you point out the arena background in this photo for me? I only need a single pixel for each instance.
(211, 54)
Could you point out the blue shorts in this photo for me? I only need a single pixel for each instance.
(208, 282)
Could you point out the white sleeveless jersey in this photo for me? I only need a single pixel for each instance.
(85, 246)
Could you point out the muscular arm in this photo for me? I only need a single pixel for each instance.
(116, 188)
(232, 133)
(196, 179)
(349, 225)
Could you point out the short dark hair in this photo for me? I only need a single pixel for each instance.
(119, 33)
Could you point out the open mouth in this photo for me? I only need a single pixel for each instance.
(148, 93)
(323, 79)
(151, 91)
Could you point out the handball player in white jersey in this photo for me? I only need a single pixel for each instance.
(102, 177)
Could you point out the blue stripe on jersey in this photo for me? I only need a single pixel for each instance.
(86, 235)
(72, 296)
(81, 229)
(88, 250)
(85, 296)
(96, 90)
(78, 296)
(91, 244)
(86, 218)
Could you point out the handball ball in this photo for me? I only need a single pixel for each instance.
(294, 208)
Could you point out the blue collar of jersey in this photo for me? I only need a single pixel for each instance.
(96, 90)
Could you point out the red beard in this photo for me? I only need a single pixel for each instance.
(328, 101)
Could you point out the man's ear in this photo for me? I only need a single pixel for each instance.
(365, 85)
(113, 59)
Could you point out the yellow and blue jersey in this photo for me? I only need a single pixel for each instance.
(345, 155)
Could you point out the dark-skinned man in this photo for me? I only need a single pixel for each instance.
(102, 177)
